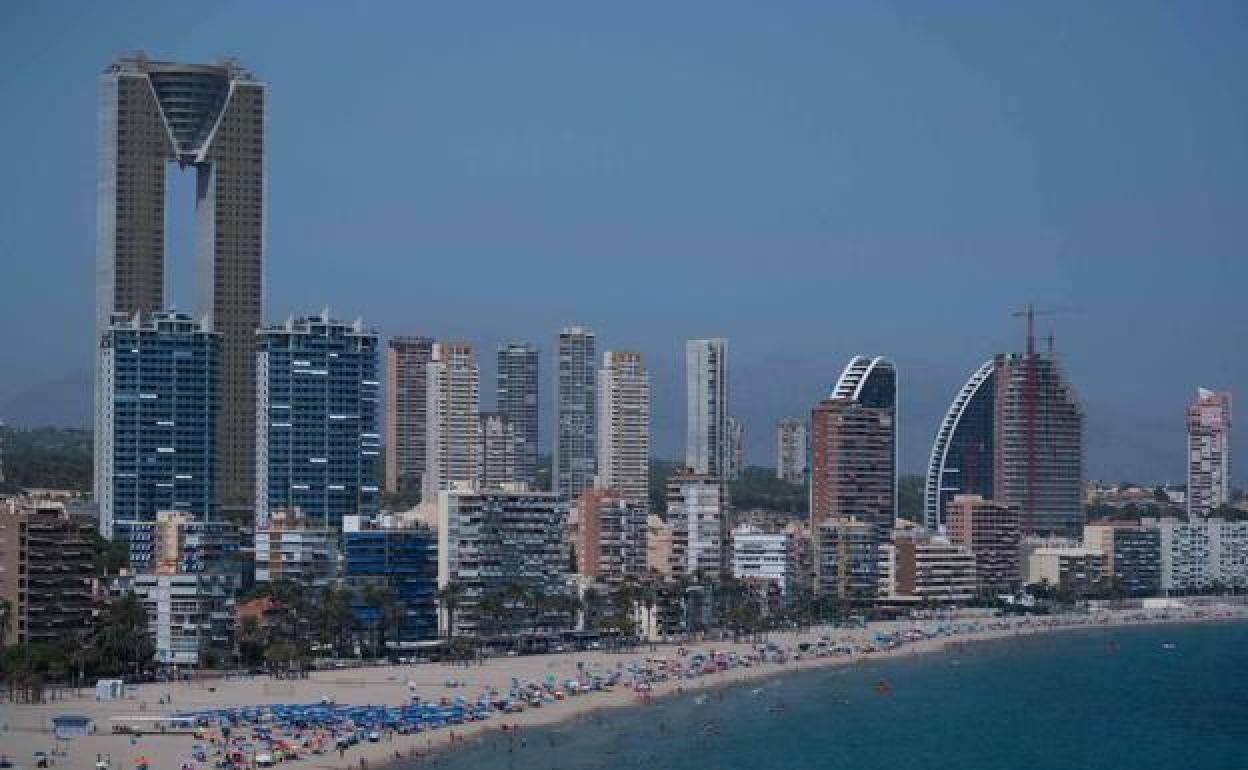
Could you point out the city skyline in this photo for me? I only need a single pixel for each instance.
(1109, 339)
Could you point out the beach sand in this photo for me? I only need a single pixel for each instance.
(25, 729)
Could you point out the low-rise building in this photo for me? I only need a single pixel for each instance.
(658, 546)
(762, 558)
(1201, 553)
(991, 531)
(189, 615)
(47, 572)
(847, 557)
(1132, 554)
(399, 555)
(922, 566)
(289, 547)
(1071, 569)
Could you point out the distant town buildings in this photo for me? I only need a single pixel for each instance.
(209, 118)
(159, 392)
(318, 445)
(1208, 452)
(407, 359)
(707, 446)
(453, 425)
(516, 396)
(47, 571)
(576, 435)
(792, 449)
(624, 426)
(854, 448)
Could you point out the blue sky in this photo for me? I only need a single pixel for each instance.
(808, 180)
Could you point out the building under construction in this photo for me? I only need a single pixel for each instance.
(1013, 434)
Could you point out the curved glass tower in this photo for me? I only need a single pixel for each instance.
(961, 461)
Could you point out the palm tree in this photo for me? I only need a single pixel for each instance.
(6, 615)
(121, 634)
(450, 596)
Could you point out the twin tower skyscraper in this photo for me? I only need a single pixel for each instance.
(209, 120)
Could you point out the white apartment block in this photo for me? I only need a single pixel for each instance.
(453, 419)
(760, 556)
(1196, 554)
(624, 426)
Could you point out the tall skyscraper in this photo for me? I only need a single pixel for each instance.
(1208, 452)
(792, 447)
(406, 395)
(624, 426)
(318, 448)
(736, 449)
(576, 435)
(1014, 434)
(498, 451)
(155, 425)
(854, 448)
(516, 396)
(706, 378)
(209, 118)
(962, 459)
(454, 419)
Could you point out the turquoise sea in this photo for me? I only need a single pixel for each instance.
(1105, 698)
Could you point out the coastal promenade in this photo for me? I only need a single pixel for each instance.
(26, 728)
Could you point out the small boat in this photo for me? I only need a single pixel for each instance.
(1168, 646)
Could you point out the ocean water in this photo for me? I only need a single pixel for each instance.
(1103, 698)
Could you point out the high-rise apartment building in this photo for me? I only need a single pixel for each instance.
(697, 508)
(493, 540)
(516, 396)
(624, 426)
(47, 570)
(407, 359)
(992, 532)
(707, 446)
(498, 451)
(453, 437)
(854, 448)
(402, 556)
(318, 446)
(1014, 433)
(1208, 452)
(610, 537)
(576, 435)
(209, 118)
(792, 448)
(159, 389)
(736, 450)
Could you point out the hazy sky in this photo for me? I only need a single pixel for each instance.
(811, 182)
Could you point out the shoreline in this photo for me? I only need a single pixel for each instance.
(25, 730)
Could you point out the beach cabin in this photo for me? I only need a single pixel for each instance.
(109, 689)
(68, 726)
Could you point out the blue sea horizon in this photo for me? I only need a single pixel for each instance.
(1104, 698)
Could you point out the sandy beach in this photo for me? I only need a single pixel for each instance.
(25, 729)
